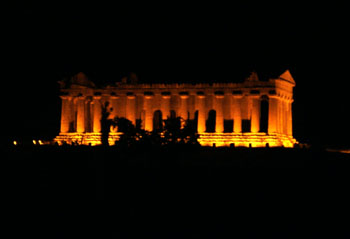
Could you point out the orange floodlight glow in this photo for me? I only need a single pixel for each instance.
(260, 112)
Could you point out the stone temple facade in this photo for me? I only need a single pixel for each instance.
(252, 113)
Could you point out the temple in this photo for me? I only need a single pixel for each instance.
(252, 113)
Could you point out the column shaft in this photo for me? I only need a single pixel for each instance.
(130, 109)
(81, 114)
(273, 113)
(97, 114)
(201, 114)
(65, 113)
(114, 106)
(219, 127)
(183, 109)
(255, 120)
(88, 121)
(285, 117)
(165, 106)
(289, 119)
(281, 116)
(148, 113)
(236, 112)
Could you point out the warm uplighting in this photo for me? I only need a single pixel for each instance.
(344, 151)
(252, 113)
(92, 139)
(14, 142)
(251, 140)
(34, 142)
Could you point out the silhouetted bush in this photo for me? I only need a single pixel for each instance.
(175, 134)
(105, 123)
(170, 134)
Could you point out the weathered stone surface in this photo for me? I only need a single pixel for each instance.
(233, 102)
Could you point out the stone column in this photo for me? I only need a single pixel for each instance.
(130, 109)
(148, 104)
(273, 113)
(201, 113)
(183, 108)
(219, 127)
(236, 112)
(280, 116)
(165, 105)
(97, 114)
(114, 106)
(66, 112)
(289, 118)
(285, 116)
(255, 115)
(88, 121)
(191, 105)
(81, 114)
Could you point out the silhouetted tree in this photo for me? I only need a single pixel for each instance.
(172, 130)
(174, 134)
(105, 123)
(171, 134)
(189, 132)
(129, 131)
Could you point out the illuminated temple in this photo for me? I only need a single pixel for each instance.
(252, 113)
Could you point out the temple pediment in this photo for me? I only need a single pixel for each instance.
(81, 79)
(286, 76)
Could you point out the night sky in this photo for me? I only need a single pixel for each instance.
(174, 42)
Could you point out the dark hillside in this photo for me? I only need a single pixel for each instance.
(66, 192)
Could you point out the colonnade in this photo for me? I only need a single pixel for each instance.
(82, 114)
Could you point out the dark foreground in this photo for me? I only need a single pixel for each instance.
(82, 192)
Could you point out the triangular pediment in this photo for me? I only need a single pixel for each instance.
(81, 79)
(253, 77)
(287, 76)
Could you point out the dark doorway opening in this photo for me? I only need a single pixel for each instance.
(246, 126)
(264, 116)
(228, 126)
(195, 121)
(138, 123)
(157, 121)
(211, 121)
(172, 114)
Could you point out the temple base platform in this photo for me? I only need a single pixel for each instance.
(205, 139)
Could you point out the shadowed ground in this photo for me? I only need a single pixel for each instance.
(175, 192)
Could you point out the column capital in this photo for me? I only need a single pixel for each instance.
(166, 94)
(148, 94)
(273, 97)
(65, 97)
(130, 95)
(200, 95)
(183, 94)
(219, 94)
(256, 97)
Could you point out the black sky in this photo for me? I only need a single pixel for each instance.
(174, 42)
